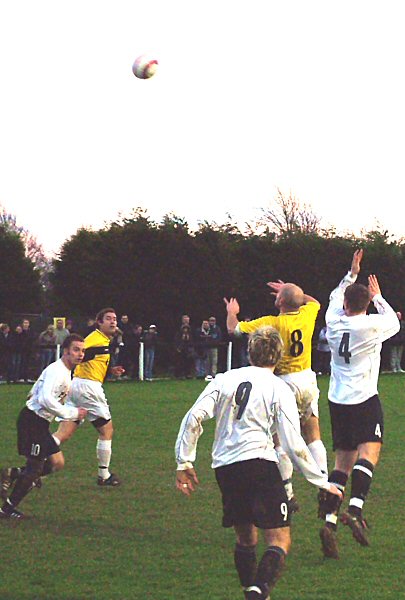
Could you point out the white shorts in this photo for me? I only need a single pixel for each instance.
(306, 392)
(89, 394)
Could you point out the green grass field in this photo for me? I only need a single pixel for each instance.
(145, 540)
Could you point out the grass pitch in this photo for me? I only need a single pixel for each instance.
(143, 540)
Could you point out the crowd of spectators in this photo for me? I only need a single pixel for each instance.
(194, 352)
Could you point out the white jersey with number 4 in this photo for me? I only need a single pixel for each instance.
(355, 344)
(248, 404)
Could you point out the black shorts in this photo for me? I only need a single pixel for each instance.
(253, 492)
(33, 436)
(355, 424)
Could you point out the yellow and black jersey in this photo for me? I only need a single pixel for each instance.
(96, 357)
(296, 330)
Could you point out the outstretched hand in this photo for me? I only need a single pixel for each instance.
(356, 260)
(186, 481)
(373, 286)
(275, 286)
(334, 490)
(232, 306)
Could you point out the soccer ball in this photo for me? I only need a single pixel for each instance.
(144, 67)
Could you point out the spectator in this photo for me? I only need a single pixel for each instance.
(124, 324)
(396, 344)
(4, 351)
(184, 346)
(129, 352)
(202, 341)
(323, 353)
(150, 340)
(26, 351)
(47, 346)
(16, 343)
(115, 348)
(61, 332)
(90, 326)
(216, 337)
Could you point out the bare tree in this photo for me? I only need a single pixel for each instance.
(288, 215)
(33, 249)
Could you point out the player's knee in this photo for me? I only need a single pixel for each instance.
(246, 535)
(104, 427)
(33, 468)
(65, 432)
(57, 461)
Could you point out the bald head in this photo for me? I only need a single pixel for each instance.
(290, 297)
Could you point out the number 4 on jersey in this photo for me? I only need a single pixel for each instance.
(344, 347)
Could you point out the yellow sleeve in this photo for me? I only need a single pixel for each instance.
(311, 309)
(251, 326)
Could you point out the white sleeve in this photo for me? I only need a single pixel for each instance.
(237, 332)
(51, 403)
(335, 308)
(389, 325)
(191, 428)
(288, 429)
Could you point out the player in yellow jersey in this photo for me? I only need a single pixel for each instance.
(87, 392)
(295, 323)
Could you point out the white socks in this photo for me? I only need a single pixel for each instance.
(103, 449)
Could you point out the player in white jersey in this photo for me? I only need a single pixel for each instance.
(35, 442)
(249, 404)
(355, 340)
(295, 323)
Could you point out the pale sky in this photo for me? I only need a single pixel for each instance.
(304, 95)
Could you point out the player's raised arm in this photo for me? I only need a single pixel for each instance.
(373, 286)
(232, 309)
(390, 325)
(335, 307)
(356, 260)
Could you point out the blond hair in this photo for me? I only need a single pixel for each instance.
(265, 347)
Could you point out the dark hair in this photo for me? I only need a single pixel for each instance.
(357, 297)
(70, 339)
(102, 312)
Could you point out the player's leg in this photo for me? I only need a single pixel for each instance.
(65, 431)
(308, 406)
(104, 451)
(270, 513)
(329, 504)
(345, 457)
(8, 476)
(245, 553)
(368, 428)
(312, 435)
(237, 483)
(270, 567)
(393, 359)
(22, 487)
(362, 475)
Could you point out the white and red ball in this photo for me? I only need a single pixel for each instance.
(144, 67)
